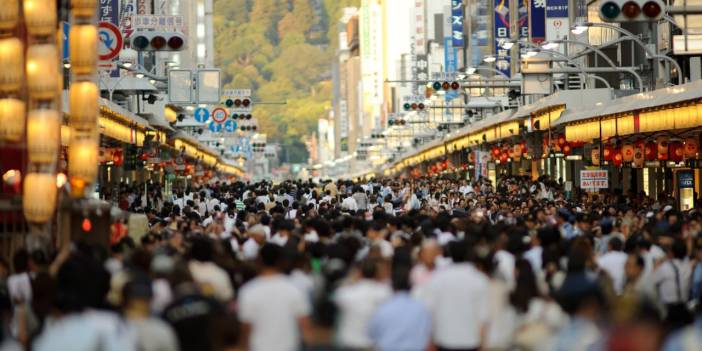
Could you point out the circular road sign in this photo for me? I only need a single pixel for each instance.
(201, 114)
(219, 115)
(111, 39)
(215, 127)
(230, 126)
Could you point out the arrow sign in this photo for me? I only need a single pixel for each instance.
(215, 127)
(201, 114)
(111, 39)
(219, 115)
(230, 126)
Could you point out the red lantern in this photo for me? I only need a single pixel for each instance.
(662, 149)
(144, 156)
(567, 149)
(677, 152)
(86, 225)
(691, 148)
(471, 157)
(118, 158)
(650, 151)
(496, 152)
(617, 157)
(628, 152)
(503, 158)
(608, 153)
(561, 141)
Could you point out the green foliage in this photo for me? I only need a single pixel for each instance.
(282, 50)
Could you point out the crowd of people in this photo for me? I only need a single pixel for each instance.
(389, 264)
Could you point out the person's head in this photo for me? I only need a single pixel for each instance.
(136, 297)
(377, 230)
(202, 250)
(257, 233)
(271, 256)
(615, 244)
(634, 267)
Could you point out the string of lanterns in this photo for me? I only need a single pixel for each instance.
(83, 149)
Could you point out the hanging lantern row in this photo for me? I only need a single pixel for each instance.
(641, 151)
(83, 149)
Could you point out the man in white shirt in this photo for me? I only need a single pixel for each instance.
(283, 230)
(457, 298)
(613, 263)
(212, 279)
(349, 203)
(274, 312)
(357, 302)
(257, 237)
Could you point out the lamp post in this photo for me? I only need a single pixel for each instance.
(606, 58)
(582, 27)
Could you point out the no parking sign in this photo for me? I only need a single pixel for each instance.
(219, 115)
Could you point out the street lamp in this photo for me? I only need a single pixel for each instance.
(583, 27)
(606, 58)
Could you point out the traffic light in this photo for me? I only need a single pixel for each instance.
(238, 103)
(397, 122)
(241, 116)
(631, 10)
(446, 86)
(157, 41)
(415, 106)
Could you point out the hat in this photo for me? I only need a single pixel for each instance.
(667, 208)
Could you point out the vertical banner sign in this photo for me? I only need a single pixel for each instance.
(557, 23)
(523, 19)
(419, 24)
(109, 12)
(422, 73)
(502, 35)
(126, 18)
(450, 66)
(538, 20)
(457, 23)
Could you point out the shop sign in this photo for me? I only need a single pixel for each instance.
(594, 179)
(686, 180)
(653, 164)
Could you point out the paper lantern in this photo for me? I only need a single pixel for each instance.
(12, 113)
(608, 153)
(43, 135)
(83, 8)
(12, 63)
(39, 197)
(641, 144)
(677, 151)
(9, 14)
(595, 156)
(83, 157)
(471, 157)
(83, 97)
(40, 17)
(524, 147)
(42, 71)
(628, 152)
(496, 152)
(650, 151)
(561, 141)
(503, 158)
(83, 48)
(567, 149)
(118, 158)
(638, 157)
(691, 147)
(662, 148)
(617, 157)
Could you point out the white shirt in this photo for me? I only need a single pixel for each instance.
(534, 256)
(667, 286)
(279, 239)
(211, 204)
(613, 263)
(349, 204)
(250, 249)
(505, 266)
(357, 303)
(457, 297)
(272, 305)
(211, 275)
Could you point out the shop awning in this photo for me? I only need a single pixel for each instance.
(571, 99)
(127, 84)
(641, 101)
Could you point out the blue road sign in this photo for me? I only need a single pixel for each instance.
(230, 125)
(201, 114)
(215, 127)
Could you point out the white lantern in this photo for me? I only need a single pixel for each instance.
(84, 8)
(12, 113)
(42, 71)
(9, 14)
(83, 48)
(83, 97)
(39, 197)
(83, 158)
(43, 135)
(40, 17)
(12, 64)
